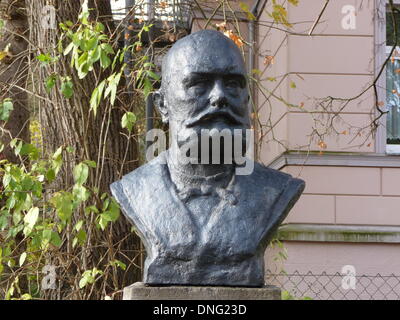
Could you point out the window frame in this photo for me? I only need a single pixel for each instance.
(380, 57)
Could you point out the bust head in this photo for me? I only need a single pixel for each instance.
(204, 85)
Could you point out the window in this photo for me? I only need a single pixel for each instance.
(118, 9)
(392, 86)
(161, 10)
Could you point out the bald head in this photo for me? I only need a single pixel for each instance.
(202, 51)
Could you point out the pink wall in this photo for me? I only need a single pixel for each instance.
(339, 63)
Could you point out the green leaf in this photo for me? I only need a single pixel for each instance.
(90, 163)
(79, 225)
(69, 48)
(63, 202)
(95, 55)
(80, 193)
(47, 58)
(51, 82)
(67, 89)
(128, 120)
(105, 61)
(292, 85)
(6, 180)
(153, 75)
(85, 280)
(46, 237)
(55, 239)
(30, 150)
(91, 209)
(148, 87)
(107, 48)
(57, 160)
(22, 258)
(103, 223)
(5, 109)
(50, 175)
(89, 277)
(96, 97)
(100, 27)
(84, 15)
(81, 236)
(18, 147)
(119, 264)
(81, 173)
(91, 44)
(30, 220)
(113, 82)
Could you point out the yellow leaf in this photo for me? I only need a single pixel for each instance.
(3, 54)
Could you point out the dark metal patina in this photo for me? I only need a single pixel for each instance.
(203, 224)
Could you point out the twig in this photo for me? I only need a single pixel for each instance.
(318, 18)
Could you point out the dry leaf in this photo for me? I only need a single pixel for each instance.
(322, 145)
(234, 37)
(221, 26)
(269, 60)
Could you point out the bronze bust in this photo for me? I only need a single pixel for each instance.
(203, 224)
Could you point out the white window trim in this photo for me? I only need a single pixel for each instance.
(380, 57)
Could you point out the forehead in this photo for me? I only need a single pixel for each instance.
(212, 57)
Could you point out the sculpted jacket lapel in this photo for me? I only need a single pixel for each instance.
(260, 209)
(162, 221)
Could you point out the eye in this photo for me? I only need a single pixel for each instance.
(199, 83)
(233, 83)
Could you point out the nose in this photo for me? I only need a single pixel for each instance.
(217, 95)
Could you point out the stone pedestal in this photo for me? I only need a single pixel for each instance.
(140, 291)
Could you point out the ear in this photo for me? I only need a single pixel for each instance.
(158, 100)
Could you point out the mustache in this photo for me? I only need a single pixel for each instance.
(227, 115)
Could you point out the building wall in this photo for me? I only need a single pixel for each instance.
(332, 62)
(347, 195)
(338, 63)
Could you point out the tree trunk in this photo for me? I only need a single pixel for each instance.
(69, 122)
(13, 73)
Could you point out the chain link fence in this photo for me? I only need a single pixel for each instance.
(336, 286)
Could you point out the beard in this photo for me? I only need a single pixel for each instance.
(218, 145)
